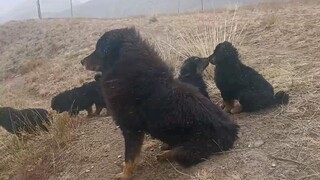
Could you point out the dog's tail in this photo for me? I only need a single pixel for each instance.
(281, 97)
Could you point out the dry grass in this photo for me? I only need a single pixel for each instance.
(280, 41)
(30, 66)
(29, 155)
(200, 40)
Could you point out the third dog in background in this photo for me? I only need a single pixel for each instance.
(15, 121)
(241, 87)
(80, 98)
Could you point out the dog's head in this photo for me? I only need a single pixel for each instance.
(108, 49)
(224, 53)
(56, 105)
(194, 65)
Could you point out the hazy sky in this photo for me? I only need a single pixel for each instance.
(7, 5)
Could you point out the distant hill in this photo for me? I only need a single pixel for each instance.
(127, 8)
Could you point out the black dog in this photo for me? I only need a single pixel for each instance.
(15, 121)
(237, 81)
(145, 98)
(191, 73)
(80, 98)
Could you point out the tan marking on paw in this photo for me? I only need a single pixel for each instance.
(237, 108)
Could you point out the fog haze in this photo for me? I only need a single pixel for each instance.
(26, 9)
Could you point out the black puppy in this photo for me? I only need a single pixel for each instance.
(144, 98)
(241, 87)
(191, 73)
(80, 98)
(15, 121)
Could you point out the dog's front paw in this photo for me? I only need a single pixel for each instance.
(122, 176)
(237, 108)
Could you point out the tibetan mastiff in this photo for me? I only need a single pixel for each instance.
(241, 87)
(144, 98)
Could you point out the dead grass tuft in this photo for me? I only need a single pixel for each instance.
(270, 21)
(29, 155)
(153, 19)
(30, 66)
(200, 40)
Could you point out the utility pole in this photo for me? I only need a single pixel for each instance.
(201, 5)
(178, 6)
(71, 8)
(39, 9)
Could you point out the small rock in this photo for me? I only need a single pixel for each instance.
(119, 156)
(273, 165)
(92, 167)
(88, 170)
(258, 143)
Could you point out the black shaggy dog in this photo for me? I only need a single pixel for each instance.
(15, 121)
(241, 87)
(191, 73)
(145, 98)
(80, 98)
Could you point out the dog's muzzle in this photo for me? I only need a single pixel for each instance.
(212, 59)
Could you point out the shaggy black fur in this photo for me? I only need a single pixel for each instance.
(80, 98)
(145, 98)
(237, 81)
(15, 121)
(191, 73)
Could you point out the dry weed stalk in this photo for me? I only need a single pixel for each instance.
(199, 41)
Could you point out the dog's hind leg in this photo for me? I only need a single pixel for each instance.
(90, 111)
(169, 155)
(253, 101)
(184, 155)
(98, 110)
(237, 107)
(165, 147)
(133, 143)
(227, 105)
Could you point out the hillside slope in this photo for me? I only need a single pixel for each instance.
(39, 58)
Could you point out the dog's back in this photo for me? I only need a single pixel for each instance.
(72, 100)
(254, 80)
(14, 120)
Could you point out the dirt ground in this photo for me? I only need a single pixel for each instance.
(281, 41)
